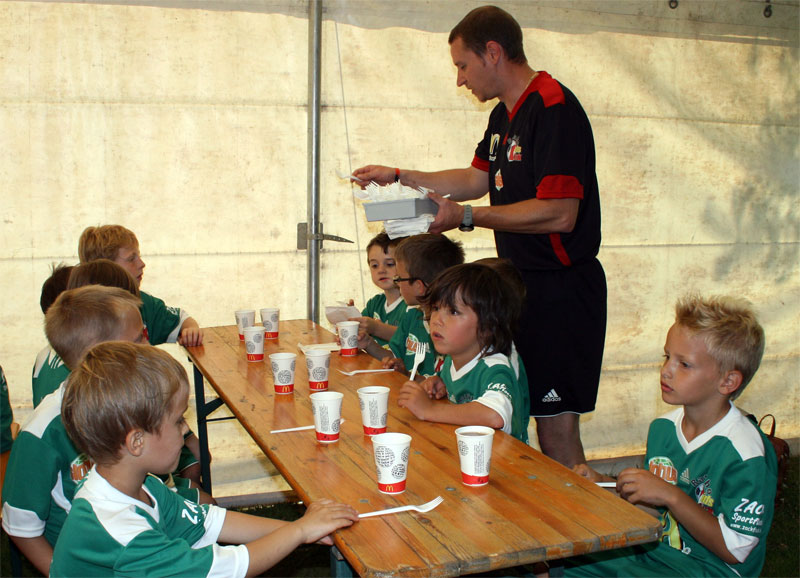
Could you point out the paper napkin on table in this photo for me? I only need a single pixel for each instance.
(318, 347)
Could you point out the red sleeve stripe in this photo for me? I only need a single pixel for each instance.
(481, 164)
(559, 250)
(559, 187)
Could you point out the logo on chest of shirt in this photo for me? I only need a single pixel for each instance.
(702, 493)
(498, 180)
(514, 150)
(664, 469)
(79, 467)
(493, 144)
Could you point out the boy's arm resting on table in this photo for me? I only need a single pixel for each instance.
(641, 486)
(590, 474)
(190, 334)
(414, 397)
(268, 541)
(37, 550)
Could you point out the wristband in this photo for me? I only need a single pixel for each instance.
(396, 175)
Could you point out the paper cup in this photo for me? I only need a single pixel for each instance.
(269, 319)
(391, 459)
(254, 343)
(374, 402)
(348, 337)
(318, 363)
(327, 409)
(244, 318)
(283, 365)
(475, 451)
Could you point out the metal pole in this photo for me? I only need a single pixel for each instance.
(313, 201)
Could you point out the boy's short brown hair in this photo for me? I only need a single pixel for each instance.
(426, 255)
(729, 328)
(54, 285)
(102, 272)
(82, 317)
(383, 241)
(104, 242)
(118, 387)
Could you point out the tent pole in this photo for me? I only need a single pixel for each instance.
(313, 200)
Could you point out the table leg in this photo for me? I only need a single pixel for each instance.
(340, 568)
(203, 410)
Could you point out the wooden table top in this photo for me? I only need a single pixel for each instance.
(533, 508)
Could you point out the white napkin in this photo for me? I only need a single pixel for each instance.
(318, 346)
(338, 313)
(407, 227)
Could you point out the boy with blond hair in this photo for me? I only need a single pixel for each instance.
(44, 466)
(124, 407)
(710, 471)
(418, 260)
(163, 324)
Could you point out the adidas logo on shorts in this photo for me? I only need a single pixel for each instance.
(551, 396)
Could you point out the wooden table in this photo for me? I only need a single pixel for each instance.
(533, 508)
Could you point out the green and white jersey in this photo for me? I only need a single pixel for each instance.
(43, 471)
(730, 470)
(414, 329)
(491, 381)
(6, 415)
(109, 533)
(391, 313)
(49, 372)
(162, 324)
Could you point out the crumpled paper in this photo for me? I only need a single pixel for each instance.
(336, 313)
(395, 228)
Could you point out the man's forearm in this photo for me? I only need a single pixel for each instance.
(461, 184)
(531, 216)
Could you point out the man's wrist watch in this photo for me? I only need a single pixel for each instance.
(466, 224)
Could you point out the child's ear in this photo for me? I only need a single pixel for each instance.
(134, 442)
(731, 381)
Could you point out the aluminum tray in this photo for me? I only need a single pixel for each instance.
(399, 209)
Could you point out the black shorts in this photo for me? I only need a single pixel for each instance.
(561, 337)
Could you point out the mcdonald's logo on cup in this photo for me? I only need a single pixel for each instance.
(396, 488)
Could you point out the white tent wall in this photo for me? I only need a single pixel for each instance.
(186, 122)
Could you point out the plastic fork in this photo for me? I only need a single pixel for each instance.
(357, 371)
(426, 507)
(419, 356)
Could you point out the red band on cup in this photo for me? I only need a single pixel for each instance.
(284, 388)
(241, 337)
(474, 480)
(349, 352)
(371, 431)
(318, 385)
(396, 488)
(255, 357)
(271, 335)
(324, 437)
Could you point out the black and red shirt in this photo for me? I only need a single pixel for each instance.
(543, 149)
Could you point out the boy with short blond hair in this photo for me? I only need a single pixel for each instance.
(418, 260)
(163, 324)
(710, 471)
(124, 406)
(44, 466)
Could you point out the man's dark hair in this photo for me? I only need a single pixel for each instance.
(490, 23)
(481, 288)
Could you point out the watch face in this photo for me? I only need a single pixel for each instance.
(465, 228)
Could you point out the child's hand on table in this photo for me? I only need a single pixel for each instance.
(639, 486)
(414, 398)
(394, 363)
(190, 336)
(323, 517)
(434, 387)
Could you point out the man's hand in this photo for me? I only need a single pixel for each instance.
(378, 173)
(449, 217)
(414, 398)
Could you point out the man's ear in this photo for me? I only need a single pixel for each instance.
(731, 381)
(134, 442)
(493, 52)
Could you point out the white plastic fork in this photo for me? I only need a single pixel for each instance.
(426, 507)
(357, 371)
(419, 356)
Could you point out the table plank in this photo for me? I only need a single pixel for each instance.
(533, 509)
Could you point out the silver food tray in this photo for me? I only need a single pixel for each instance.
(399, 209)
